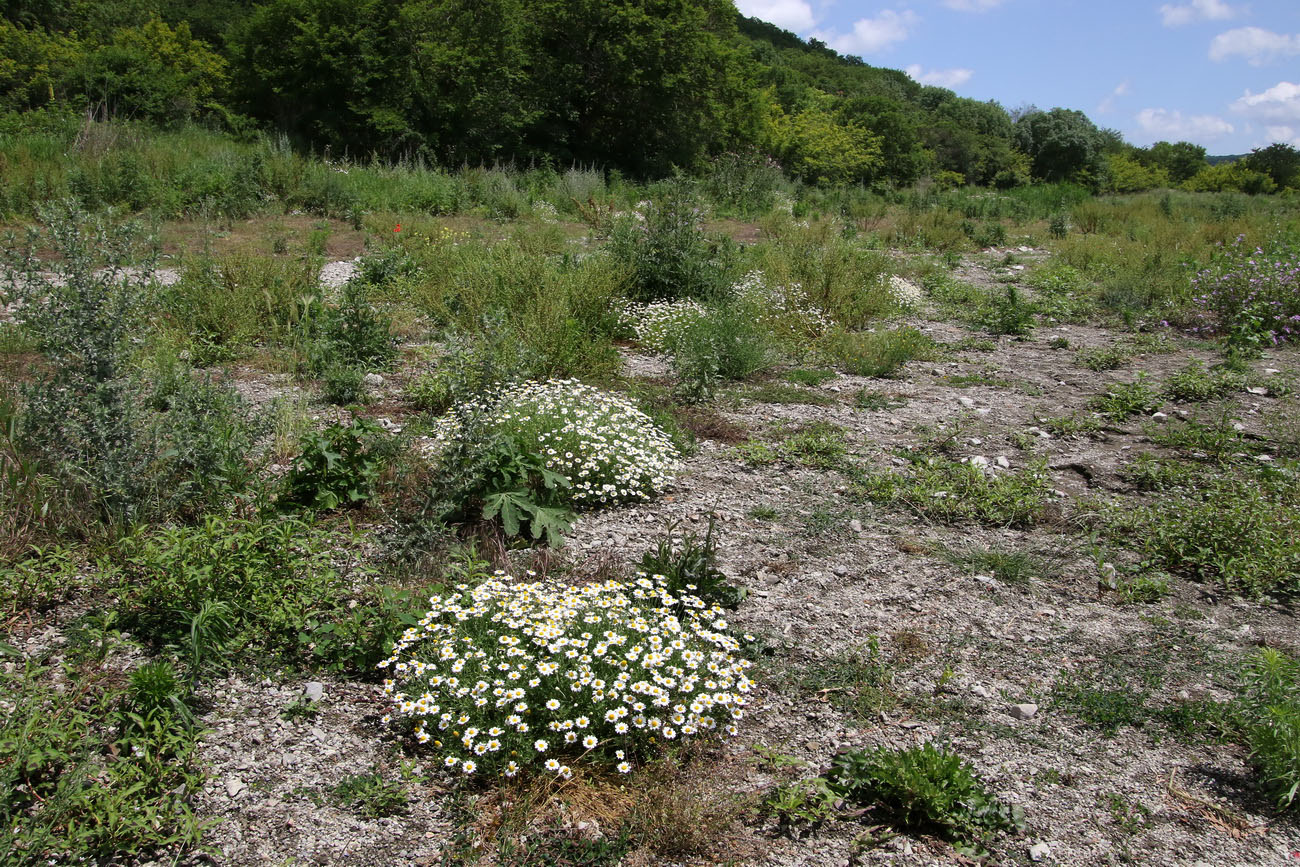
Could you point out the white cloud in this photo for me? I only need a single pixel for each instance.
(871, 35)
(1198, 10)
(795, 15)
(973, 5)
(1162, 123)
(1288, 134)
(1257, 45)
(1107, 105)
(1279, 104)
(949, 78)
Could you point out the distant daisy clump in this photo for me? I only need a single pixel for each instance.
(905, 294)
(504, 676)
(659, 324)
(609, 451)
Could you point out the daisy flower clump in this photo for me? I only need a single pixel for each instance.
(606, 449)
(783, 310)
(906, 294)
(659, 324)
(507, 676)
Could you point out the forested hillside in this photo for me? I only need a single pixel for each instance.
(643, 87)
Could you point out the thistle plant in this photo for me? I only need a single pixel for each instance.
(505, 677)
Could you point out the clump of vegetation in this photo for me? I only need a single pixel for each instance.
(1272, 710)
(604, 711)
(948, 490)
(667, 253)
(336, 467)
(1194, 383)
(1252, 294)
(1126, 399)
(878, 353)
(691, 567)
(1240, 532)
(927, 789)
(93, 771)
(119, 448)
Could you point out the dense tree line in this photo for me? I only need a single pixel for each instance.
(643, 86)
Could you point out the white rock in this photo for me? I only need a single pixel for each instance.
(373, 380)
(980, 691)
(966, 402)
(1257, 390)
(1026, 710)
(978, 461)
(1003, 462)
(1159, 416)
(1039, 851)
(313, 691)
(975, 441)
(855, 525)
(1271, 371)
(234, 787)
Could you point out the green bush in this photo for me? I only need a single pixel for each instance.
(950, 491)
(336, 467)
(667, 254)
(1272, 710)
(85, 777)
(1122, 400)
(926, 789)
(726, 344)
(878, 353)
(690, 568)
(473, 364)
(130, 451)
(1242, 533)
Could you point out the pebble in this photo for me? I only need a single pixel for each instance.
(980, 691)
(1027, 710)
(373, 380)
(314, 691)
(1159, 416)
(1257, 390)
(966, 402)
(234, 787)
(1039, 851)
(855, 525)
(841, 571)
(1003, 462)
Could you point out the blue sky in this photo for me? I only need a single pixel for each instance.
(1219, 73)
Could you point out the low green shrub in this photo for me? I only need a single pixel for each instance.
(878, 353)
(1103, 357)
(666, 252)
(1271, 706)
(927, 789)
(1194, 383)
(1009, 314)
(229, 589)
(472, 364)
(335, 467)
(508, 677)
(86, 776)
(690, 567)
(950, 491)
(1240, 532)
(727, 344)
(1126, 399)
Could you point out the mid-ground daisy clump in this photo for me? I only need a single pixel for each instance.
(608, 450)
(507, 676)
